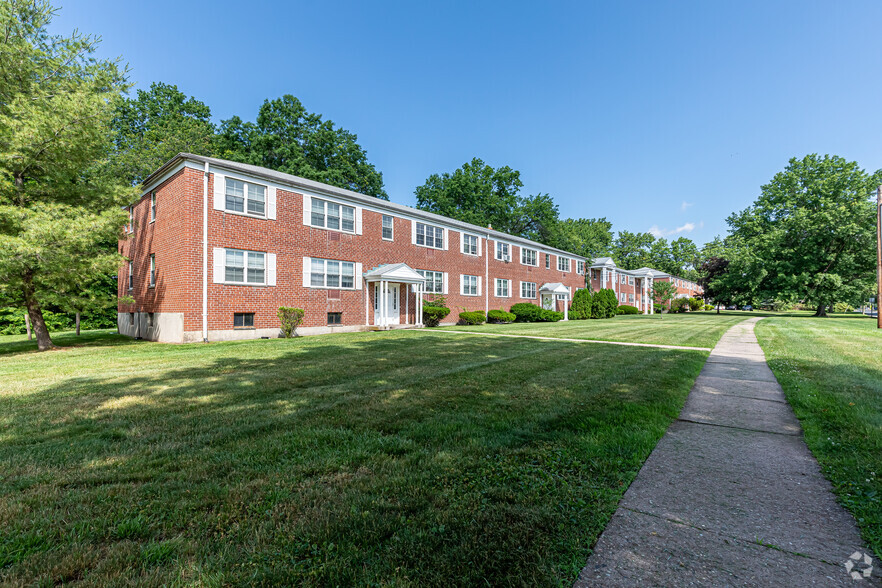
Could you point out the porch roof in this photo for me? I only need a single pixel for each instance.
(394, 272)
(554, 288)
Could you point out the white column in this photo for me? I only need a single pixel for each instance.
(406, 304)
(383, 303)
(566, 309)
(615, 282)
(651, 298)
(420, 303)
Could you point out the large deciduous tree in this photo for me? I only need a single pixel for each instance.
(811, 233)
(479, 194)
(154, 126)
(632, 250)
(288, 138)
(589, 237)
(58, 205)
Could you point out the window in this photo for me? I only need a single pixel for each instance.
(244, 197)
(547, 261)
(631, 298)
(329, 215)
(630, 280)
(593, 274)
(131, 275)
(502, 251)
(434, 281)
(528, 289)
(529, 256)
(429, 236)
(243, 320)
(503, 288)
(152, 206)
(329, 273)
(624, 279)
(622, 296)
(335, 318)
(580, 267)
(132, 318)
(469, 244)
(245, 267)
(387, 228)
(563, 264)
(469, 285)
(152, 269)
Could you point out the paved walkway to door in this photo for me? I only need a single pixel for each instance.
(731, 495)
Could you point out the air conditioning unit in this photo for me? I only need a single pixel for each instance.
(506, 258)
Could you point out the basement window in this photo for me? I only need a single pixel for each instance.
(335, 318)
(243, 320)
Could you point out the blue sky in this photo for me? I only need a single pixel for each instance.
(656, 115)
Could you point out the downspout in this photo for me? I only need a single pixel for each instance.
(205, 255)
(487, 275)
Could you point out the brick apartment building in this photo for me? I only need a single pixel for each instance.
(216, 247)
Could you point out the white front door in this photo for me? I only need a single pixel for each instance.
(392, 315)
(547, 302)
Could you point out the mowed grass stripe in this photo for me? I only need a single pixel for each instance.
(372, 458)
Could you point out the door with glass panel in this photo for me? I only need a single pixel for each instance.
(392, 314)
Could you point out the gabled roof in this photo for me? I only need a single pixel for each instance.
(603, 261)
(394, 272)
(554, 288)
(333, 191)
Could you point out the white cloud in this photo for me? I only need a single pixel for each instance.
(658, 233)
(686, 205)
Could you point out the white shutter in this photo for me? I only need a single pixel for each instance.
(220, 259)
(446, 238)
(444, 288)
(270, 269)
(413, 232)
(219, 192)
(358, 220)
(479, 285)
(479, 246)
(461, 241)
(271, 203)
(461, 284)
(307, 266)
(358, 277)
(307, 210)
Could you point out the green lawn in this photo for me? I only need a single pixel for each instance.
(697, 329)
(397, 458)
(831, 371)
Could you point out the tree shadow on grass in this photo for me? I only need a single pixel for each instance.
(11, 345)
(374, 458)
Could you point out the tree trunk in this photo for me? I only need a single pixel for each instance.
(78, 323)
(822, 311)
(718, 309)
(28, 325)
(44, 342)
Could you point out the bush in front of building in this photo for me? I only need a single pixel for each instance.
(581, 307)
(476, 317)
(604, 304)
(500, 317)
(290, 319)
(550, 316)
(708, 306)
(695, 304)
(627, 309)
(526, 312)
(679, 305)
(433, 315)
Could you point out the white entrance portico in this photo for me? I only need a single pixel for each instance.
(389, 297)
(549, 294)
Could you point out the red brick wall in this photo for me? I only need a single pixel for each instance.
(176, 238)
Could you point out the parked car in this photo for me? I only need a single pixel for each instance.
(731, 307)
(747, 307)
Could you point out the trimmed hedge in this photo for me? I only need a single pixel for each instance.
(476, 317)
(628, 309)
(526, 312)
(604, 304)
(696, 304)
(433, 315)
(679, 305)
(550, 316)
(500, 317)
(581, 306)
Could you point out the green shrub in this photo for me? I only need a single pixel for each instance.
(476, 317)
(500, 317)
(708, 306)
(628, 309)
(581, 306)
(290, 319)
(695, 304)
(433, 315)
(550, 316)
(12, 320)
(526, 312)
(604, 304)
(679, 305)
(842, 307)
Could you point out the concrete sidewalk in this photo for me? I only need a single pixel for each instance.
(731, 495)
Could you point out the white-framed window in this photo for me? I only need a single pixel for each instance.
(623, 279)
(331, 273)
(622, 297)
(244, 267)
(469, 285)
(563, 264)
(547, 261)
(429, 236)
(152, 270)
(131, 275)
(388, 228)
(152, 206)
(244, 197)
(529, 257)
(503, 251)
(503, 288)
(330, 215)
(469, 244)
(631, 298)
(528, 289)
(434, 281)
(630, 280)
(580, 267)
